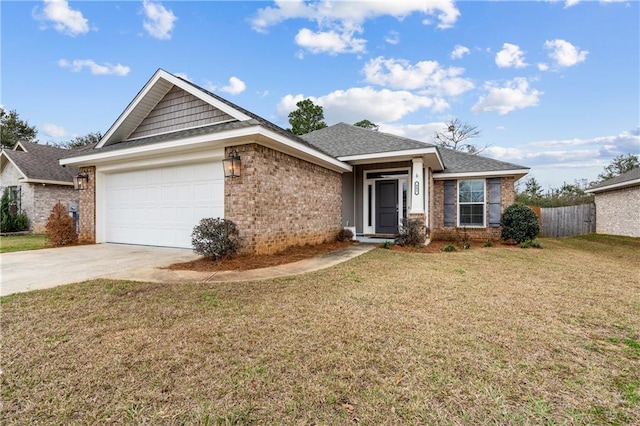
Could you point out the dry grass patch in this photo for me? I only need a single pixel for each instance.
(482, 336)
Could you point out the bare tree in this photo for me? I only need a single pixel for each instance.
(456, 136)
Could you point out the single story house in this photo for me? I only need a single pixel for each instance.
(159, 169)
(36, 181)
(618, 204)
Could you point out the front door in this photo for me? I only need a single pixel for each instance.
(387, 207)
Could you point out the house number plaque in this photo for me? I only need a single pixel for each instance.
(416, 188)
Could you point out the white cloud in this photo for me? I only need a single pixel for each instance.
(419, 132)
(429, 76)
(331, 42)
(64, 19)
(510, 56)
(327, 12)
(515, 94)
(54, 131)
(459, 51)
(355, 104)
(570, 3)
(564, 53)
(392, 38)
(555, 161)
(106, 69)
(339, 21)
(543, 67)
(159, 21)
(235, 86)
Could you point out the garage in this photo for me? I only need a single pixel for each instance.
(160, 206)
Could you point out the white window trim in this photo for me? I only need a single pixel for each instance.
(484, 204)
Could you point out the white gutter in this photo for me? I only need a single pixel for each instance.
(443, 176)
(47, 182)
(201, 141)
(619, 185)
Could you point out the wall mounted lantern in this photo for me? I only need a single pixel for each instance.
(231, 165)
(81, 181)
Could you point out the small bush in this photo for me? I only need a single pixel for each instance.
(519, 223)
(488, 243)
(345, 235)
(449, 248)
(532, 243)
(412, 233)
(386, 245)
(215, 238)
(60, 227)
(466, 245)
(10, 219)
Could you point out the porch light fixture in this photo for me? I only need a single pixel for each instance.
(81, 181)
(231, 165)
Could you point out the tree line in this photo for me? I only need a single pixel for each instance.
(13, 130)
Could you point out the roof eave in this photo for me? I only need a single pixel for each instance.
(226, 138)
(620, 185)
(516, 173)
(47, 182)
(435, 162)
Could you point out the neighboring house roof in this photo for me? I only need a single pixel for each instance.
(625, 180)
(40, 163)
(344, 140)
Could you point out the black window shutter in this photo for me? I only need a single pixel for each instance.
(494, 202)
(449, 203)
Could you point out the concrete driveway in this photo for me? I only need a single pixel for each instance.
(38, 269)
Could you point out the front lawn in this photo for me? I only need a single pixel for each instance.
(22, 242)
(481, 336)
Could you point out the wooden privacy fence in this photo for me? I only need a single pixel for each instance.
(568, 221)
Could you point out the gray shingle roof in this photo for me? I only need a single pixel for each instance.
(460, 162)
(632, 174)
(40, 162)
(342, 140)
(262, 121)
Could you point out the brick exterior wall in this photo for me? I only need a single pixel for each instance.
(452, 233)
(36, 199)
(281, 201)
(617, 212)
(87, 209)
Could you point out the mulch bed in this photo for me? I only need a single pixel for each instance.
(252, 261)
(294, 254)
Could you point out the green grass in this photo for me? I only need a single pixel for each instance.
(500, 336)
(22, 242)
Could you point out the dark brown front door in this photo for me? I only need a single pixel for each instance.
(387, 207)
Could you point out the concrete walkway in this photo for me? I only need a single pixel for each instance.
(39, 269)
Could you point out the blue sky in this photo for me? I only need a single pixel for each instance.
(554, 85)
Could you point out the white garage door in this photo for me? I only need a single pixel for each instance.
(160, 206)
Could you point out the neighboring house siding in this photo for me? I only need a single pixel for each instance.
(178, 110)
(87, 210)
(282, 201)
(617, 212)
(36, 199)
(440, 231)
